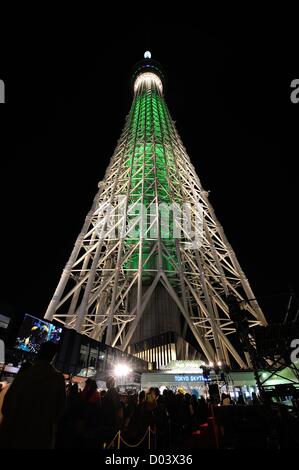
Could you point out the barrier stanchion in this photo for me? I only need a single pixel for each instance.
(117, 435)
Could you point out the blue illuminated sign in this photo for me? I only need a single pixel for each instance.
(189, 378)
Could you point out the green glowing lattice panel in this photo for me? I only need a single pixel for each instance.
(151, 162)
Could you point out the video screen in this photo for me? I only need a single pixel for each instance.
(33, 332)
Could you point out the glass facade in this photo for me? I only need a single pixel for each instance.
(84, 357)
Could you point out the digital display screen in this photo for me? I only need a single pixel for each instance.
(33, 332)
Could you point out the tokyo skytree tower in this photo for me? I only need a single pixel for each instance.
(151, 256)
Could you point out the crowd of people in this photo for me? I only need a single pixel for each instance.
(93, 419)
(40, 411)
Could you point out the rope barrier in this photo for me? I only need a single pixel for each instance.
(138, 443)
(121, 439)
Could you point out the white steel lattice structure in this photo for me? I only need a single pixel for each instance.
(122, 254)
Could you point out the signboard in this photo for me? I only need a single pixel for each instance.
(189, 378)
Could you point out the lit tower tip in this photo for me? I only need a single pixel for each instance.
(147, 72)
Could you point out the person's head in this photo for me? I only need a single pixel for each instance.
(194, 398)
(141, 396)
(73, 390)
(150, 401)
(47, 352)
(110, 382)
(93, 386)
(89, 390)
(187, 398)
(87, 384)
(148, 396)
(161, 400)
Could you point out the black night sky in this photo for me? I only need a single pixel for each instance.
(67, 97)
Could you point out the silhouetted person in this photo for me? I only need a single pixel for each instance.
(203, 411)
(190, 419)
(112, 410)
(225, 399)
(255, 399)
(79, 426)
(90, 393)
(241, 400)
(141, 397)
(139, 417)
(74, 394)
(33, 405)
(87, 416)
(162, 423)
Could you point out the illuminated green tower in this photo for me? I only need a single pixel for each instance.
(151, 257)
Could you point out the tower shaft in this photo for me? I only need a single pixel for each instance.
(151, 228)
